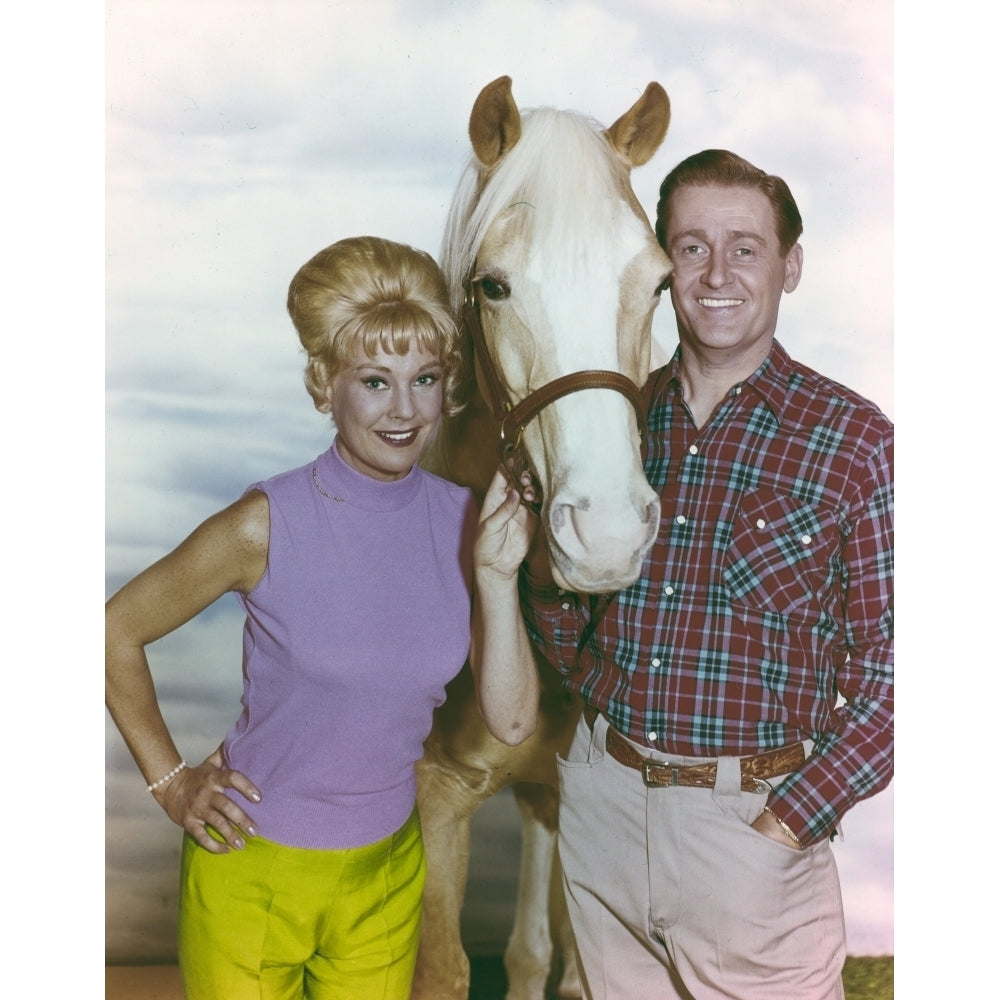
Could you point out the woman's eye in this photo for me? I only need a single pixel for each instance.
(428, 379)
(373, 383)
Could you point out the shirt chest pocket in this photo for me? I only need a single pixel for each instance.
(781, 551)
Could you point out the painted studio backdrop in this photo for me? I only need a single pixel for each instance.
(243, 137)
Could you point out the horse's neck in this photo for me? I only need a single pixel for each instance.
(466, 449)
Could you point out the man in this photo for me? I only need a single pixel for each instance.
(739, 694)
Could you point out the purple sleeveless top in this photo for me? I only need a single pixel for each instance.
(361, 618)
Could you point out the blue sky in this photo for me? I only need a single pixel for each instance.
(243, 137)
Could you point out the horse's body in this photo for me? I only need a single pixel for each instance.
(546, 233)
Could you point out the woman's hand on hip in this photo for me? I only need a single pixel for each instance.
(196, 799)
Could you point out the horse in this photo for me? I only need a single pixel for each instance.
(554, 267)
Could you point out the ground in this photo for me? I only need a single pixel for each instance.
(864, 979)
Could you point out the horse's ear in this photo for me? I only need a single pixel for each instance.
(638, 133)
(495, 122)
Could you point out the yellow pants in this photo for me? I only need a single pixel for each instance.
(283, 923)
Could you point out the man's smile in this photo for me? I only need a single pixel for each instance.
(720, 303)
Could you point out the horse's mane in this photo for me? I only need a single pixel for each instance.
(563, 166)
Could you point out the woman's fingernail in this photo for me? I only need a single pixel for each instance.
(238, 844)
(252, 830)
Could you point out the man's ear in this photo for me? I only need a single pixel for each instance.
(793, 268)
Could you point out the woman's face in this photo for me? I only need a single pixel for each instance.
(386, 409)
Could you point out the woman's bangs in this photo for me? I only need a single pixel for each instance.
(402, 331)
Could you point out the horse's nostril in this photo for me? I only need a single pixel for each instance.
(652, 513)
(557, 517)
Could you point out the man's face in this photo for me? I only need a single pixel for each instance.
(729, 274)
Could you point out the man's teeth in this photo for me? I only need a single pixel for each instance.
(719, 303)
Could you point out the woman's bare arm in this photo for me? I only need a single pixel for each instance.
(507, 685)
(227, 552)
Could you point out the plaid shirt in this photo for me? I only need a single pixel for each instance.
(763, 614)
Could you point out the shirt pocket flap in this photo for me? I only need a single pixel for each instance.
(780, 552)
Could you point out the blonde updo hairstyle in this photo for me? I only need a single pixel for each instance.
(372, 293)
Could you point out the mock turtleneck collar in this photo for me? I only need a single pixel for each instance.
(343, 481)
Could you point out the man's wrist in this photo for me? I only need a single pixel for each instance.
(785, 828)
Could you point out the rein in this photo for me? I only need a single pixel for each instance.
(514, 417)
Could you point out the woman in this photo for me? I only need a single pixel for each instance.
(303, 865)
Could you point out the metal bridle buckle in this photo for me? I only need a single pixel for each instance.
(509, 446)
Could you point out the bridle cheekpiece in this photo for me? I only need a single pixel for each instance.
(514, 417)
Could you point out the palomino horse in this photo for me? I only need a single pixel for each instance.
(556, 270)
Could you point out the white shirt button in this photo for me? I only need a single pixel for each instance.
(651, 735)
(668, 591)
(807, 539)
(565, 605)
(693, 449)
(761, 523)
(738, 389)
(681, 519)
(656, 661)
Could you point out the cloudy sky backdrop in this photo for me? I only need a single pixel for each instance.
(242, 137)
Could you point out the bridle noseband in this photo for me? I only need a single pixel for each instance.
(514, 417)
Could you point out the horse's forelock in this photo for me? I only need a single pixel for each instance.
(455, 254)
(562, 165)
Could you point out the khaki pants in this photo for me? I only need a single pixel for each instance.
(672, 894)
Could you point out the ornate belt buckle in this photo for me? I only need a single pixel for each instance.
(647, 773)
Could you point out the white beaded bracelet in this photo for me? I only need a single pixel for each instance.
(172, 774)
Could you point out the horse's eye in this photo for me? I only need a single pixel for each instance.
(494, 289)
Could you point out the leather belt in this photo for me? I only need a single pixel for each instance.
(663, 774)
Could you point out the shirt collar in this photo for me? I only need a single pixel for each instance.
(771, 381)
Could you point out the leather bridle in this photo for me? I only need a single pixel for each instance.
(514, 417)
